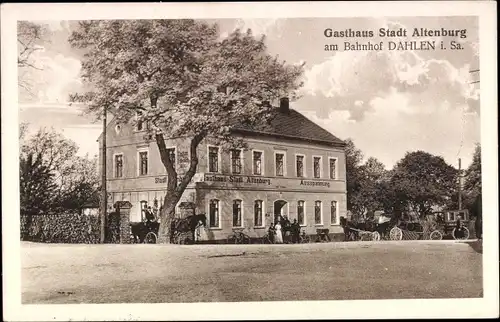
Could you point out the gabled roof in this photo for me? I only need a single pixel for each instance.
(288, 124)
(293, 125)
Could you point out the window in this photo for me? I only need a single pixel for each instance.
(143, 163)
(171, 155)
(333, 213)
(257, 163)
(257, 215)
(237, 213)
(300, 165)
(236, 161)
(333, 168)
(143, 207)
(317, 167)
(118, 166)
(301, 217)
(214, 213)
(280, 164)
(213, 159)
(317, 213)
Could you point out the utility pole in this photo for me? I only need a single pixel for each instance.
(459, 184)
(104, 195)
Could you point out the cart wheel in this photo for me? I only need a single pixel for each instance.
(436, 235)
(267, 240)
(463, 236)
(365, 237)
(178, 238)
(150, 238)
(245, 239)
(396, 234)
(375, 236)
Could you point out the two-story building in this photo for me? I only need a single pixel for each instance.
(291, 166)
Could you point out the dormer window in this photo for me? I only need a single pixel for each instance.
(140, 124)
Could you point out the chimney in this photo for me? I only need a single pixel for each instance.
(284, 105)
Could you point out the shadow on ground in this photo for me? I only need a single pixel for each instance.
(477, 245)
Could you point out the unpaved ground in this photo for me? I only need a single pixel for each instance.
(209, 273)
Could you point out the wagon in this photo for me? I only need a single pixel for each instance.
(426, 228)
(144, 232)
(454, 223)
(434, 226)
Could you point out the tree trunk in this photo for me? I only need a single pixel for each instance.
(167, 214)
(174, 189)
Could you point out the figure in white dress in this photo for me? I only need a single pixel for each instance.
(279, 235)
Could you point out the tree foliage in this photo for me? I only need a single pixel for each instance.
(472, 184)
(353, 157)
(37, 187)
(180, 79)
(29, 38)
(421, 180)
(418, 182)
(53, 177)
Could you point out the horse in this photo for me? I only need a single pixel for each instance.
(350, 234)
(383, 228)
(186, 225)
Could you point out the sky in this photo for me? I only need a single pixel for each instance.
(387, 102)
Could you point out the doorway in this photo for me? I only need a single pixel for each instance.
(280, 209)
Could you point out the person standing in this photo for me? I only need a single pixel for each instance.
(271, 233)
(279, 233)
(295, 231)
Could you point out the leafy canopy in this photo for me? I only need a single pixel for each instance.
(178, 76)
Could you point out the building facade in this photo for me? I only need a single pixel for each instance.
(290, 167)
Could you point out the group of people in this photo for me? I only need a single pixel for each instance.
(149, 216)
(282, 228)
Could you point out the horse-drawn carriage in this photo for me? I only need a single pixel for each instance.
(182, 230)
(377, 228)
(453, 223)
(145, 232)
(434, 226)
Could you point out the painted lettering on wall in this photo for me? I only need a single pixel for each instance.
(183, 156)
(161, 180)
(315, 183)
(237, 179)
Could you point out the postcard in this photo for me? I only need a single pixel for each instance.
(224, 161)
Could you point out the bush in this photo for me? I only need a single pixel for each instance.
(62, 228)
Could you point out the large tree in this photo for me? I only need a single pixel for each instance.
(370, 194)
(421, 180)
(50, 165)
(37, 185)
(30, 36)
(472, 184)
(181, 80)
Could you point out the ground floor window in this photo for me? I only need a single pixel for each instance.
(258, 213)
(214, 213)
(301, 218)
(333, 213)
(237, 213)
(317, 213)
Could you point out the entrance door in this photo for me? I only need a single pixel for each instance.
(279, 209)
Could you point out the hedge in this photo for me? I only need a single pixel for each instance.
(61, 228)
